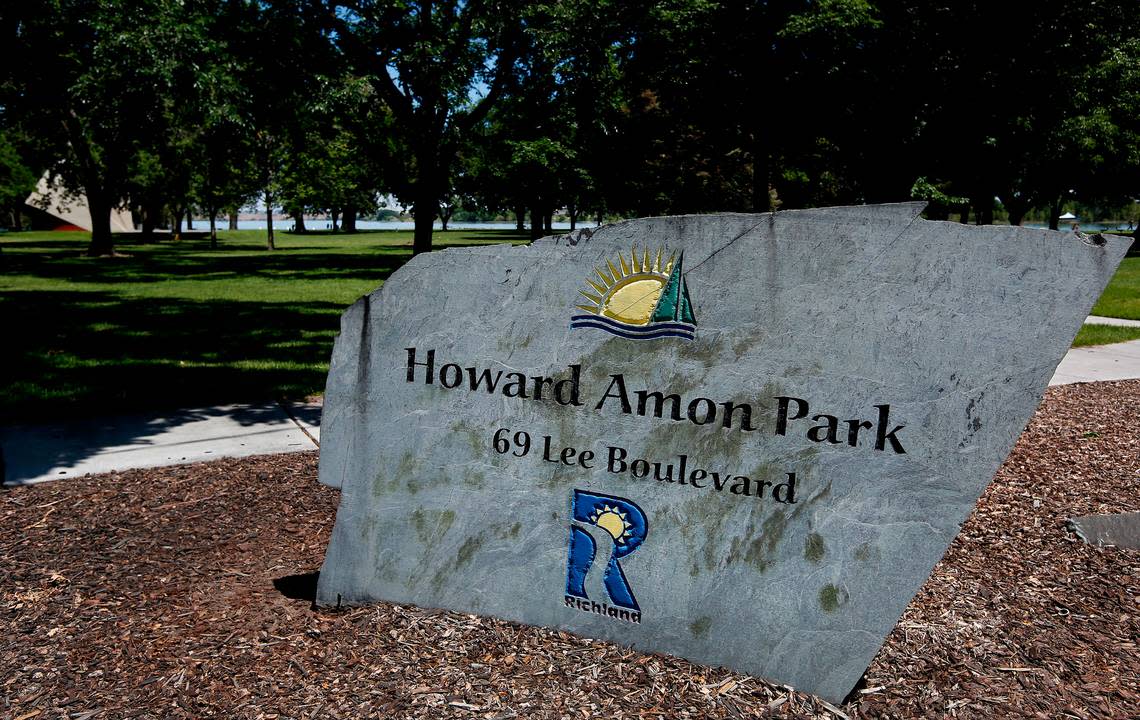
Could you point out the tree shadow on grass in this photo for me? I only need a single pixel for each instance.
(76, 355)
(138, 364)
(157, 265)
(95, 351)
(156, 262)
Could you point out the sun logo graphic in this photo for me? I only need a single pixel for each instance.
(642, 297)
(626, 525)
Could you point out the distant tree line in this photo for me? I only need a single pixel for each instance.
(601, 107)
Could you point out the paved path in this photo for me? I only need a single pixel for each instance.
(1120, 361)
(36, 453)
(1119, 322)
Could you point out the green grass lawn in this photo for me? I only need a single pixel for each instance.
(178, 325)
(1105, 335)
(1121, 299)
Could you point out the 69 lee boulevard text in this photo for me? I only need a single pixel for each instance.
(680, 471)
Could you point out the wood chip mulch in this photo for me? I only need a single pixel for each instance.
(181, 592)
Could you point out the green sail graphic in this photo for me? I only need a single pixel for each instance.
(674, 305)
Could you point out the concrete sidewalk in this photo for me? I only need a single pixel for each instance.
(1120, 361)
(1117, 322)
(36, 453)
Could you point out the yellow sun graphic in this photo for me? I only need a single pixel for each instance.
(612, 521)
(628, 292)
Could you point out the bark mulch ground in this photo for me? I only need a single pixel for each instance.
(180, 592)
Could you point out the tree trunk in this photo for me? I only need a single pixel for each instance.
(445, 212)
(101, 241)
(984, 209)
(269, 244)
(233, 220)
(761, 172)
(98, 199)
(299, 222)
(548, 222)
(936, 211)
(535, 223)
(176, 231)
(335, 216)
(1055, 215)
(348, 225)
(267, 158)
(150, 220)
(213, 229)
(1017, 210)
(423, 212)
(520, 218)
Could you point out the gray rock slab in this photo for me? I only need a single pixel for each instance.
(36, 453)
(905, 356)
(1120, 530)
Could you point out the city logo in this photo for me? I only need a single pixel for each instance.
(642, 297)
(625, 524)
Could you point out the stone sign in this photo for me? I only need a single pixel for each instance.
(741, 439)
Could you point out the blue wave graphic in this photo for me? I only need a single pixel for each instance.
(651, 331)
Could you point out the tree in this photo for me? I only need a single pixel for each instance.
(277, 56)
(530, 132)
(88, 81)
(548, 140)
(429, 61)
(724, 101)
(681, 140)
(16, 182)
(831, 149)
(1101, 138)
(1002, 114)
(226, 173)
(339, 152)
(167, 157)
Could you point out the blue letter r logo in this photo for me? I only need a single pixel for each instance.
(626, 524)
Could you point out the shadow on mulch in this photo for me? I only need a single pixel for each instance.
(298, 587)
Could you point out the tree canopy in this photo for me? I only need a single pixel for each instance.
(591, 107)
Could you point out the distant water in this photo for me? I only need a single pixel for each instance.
(1083, 227)
(287, 223)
